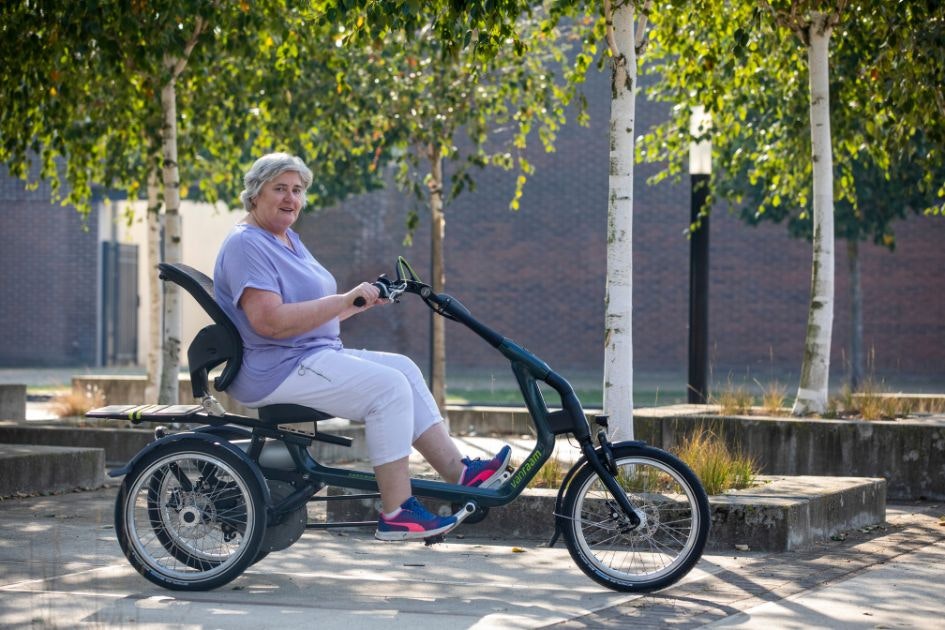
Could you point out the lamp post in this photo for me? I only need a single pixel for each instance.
(700, 173)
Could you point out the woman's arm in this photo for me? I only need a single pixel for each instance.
(271, 317)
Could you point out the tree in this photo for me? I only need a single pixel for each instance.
(745, 68)
(451, 110)
(437, 96)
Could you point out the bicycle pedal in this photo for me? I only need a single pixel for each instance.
(498, 481)
(432, 540)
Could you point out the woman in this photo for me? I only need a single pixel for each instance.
(287, 309)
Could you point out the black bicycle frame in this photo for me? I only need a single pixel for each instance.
(528, 370)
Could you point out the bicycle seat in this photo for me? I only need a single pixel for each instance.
(220, 342)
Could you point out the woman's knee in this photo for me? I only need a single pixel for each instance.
(408, 368)
(391, 393)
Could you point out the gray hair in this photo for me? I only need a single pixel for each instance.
(267, 168)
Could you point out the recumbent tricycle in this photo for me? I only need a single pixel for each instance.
(199, 506)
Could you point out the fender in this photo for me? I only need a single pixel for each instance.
(202, 436)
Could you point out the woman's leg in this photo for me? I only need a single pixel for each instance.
(393, 482)
(430, 436)
(438, 448)
(349, 387)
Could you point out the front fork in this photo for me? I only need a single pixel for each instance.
(601, 459)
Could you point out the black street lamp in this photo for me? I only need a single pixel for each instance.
(700, 173)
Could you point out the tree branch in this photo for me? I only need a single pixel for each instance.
(609, 24)
(640, 39)
(177, 64)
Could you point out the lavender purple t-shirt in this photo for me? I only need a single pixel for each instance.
(253, 257)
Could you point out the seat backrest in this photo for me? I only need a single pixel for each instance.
(215, 344)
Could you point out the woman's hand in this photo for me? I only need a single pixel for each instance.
(367, 292)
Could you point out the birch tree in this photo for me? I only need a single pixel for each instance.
(814, 31)
(743, 65)
(623, 42)
(97, 93)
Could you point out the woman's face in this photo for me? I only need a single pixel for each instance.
(279, 202)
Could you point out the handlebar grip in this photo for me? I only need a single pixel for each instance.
(383, 286)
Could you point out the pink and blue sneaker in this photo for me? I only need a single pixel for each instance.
(484, 474)
(412, 522)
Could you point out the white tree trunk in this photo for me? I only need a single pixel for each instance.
(812, 390)
(618, 339)
(437, 235)
(154, 290)
(172, 248)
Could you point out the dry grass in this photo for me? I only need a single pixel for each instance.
(773, 397)
(733, 401)
(551, 474)
(872, 402)
(716, 465)
(75, 404)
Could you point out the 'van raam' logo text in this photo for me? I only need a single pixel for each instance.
(525, 467)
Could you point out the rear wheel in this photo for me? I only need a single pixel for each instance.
(674, 521)
(191, 516)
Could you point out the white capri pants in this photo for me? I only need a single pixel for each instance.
(385, 391)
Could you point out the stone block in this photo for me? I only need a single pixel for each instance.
(12, 401)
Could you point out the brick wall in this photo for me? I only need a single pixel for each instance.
(48, 279)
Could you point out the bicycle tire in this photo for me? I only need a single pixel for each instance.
(190, 516)
(663, 548)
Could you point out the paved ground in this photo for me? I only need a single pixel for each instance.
(60, 567)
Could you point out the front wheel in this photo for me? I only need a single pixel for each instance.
(190, 516)
(674, 521)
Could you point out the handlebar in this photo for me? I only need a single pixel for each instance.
(442, 304)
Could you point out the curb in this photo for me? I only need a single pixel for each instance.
(29, 469)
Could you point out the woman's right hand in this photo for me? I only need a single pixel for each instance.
(364, 296)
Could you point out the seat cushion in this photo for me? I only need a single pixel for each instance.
(278, 414)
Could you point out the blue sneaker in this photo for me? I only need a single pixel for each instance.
(479, 473)
(413, 522)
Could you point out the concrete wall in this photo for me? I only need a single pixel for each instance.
(909, 454)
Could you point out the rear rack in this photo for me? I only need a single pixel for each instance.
(147, 413)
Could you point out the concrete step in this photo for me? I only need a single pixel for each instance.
(781, 514)
(27, 469)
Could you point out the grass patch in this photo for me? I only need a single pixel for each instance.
(871, 401)
(550, 476)
(733, 400)
(716, 465)
(773, 397)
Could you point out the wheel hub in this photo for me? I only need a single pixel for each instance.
(195, 513)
